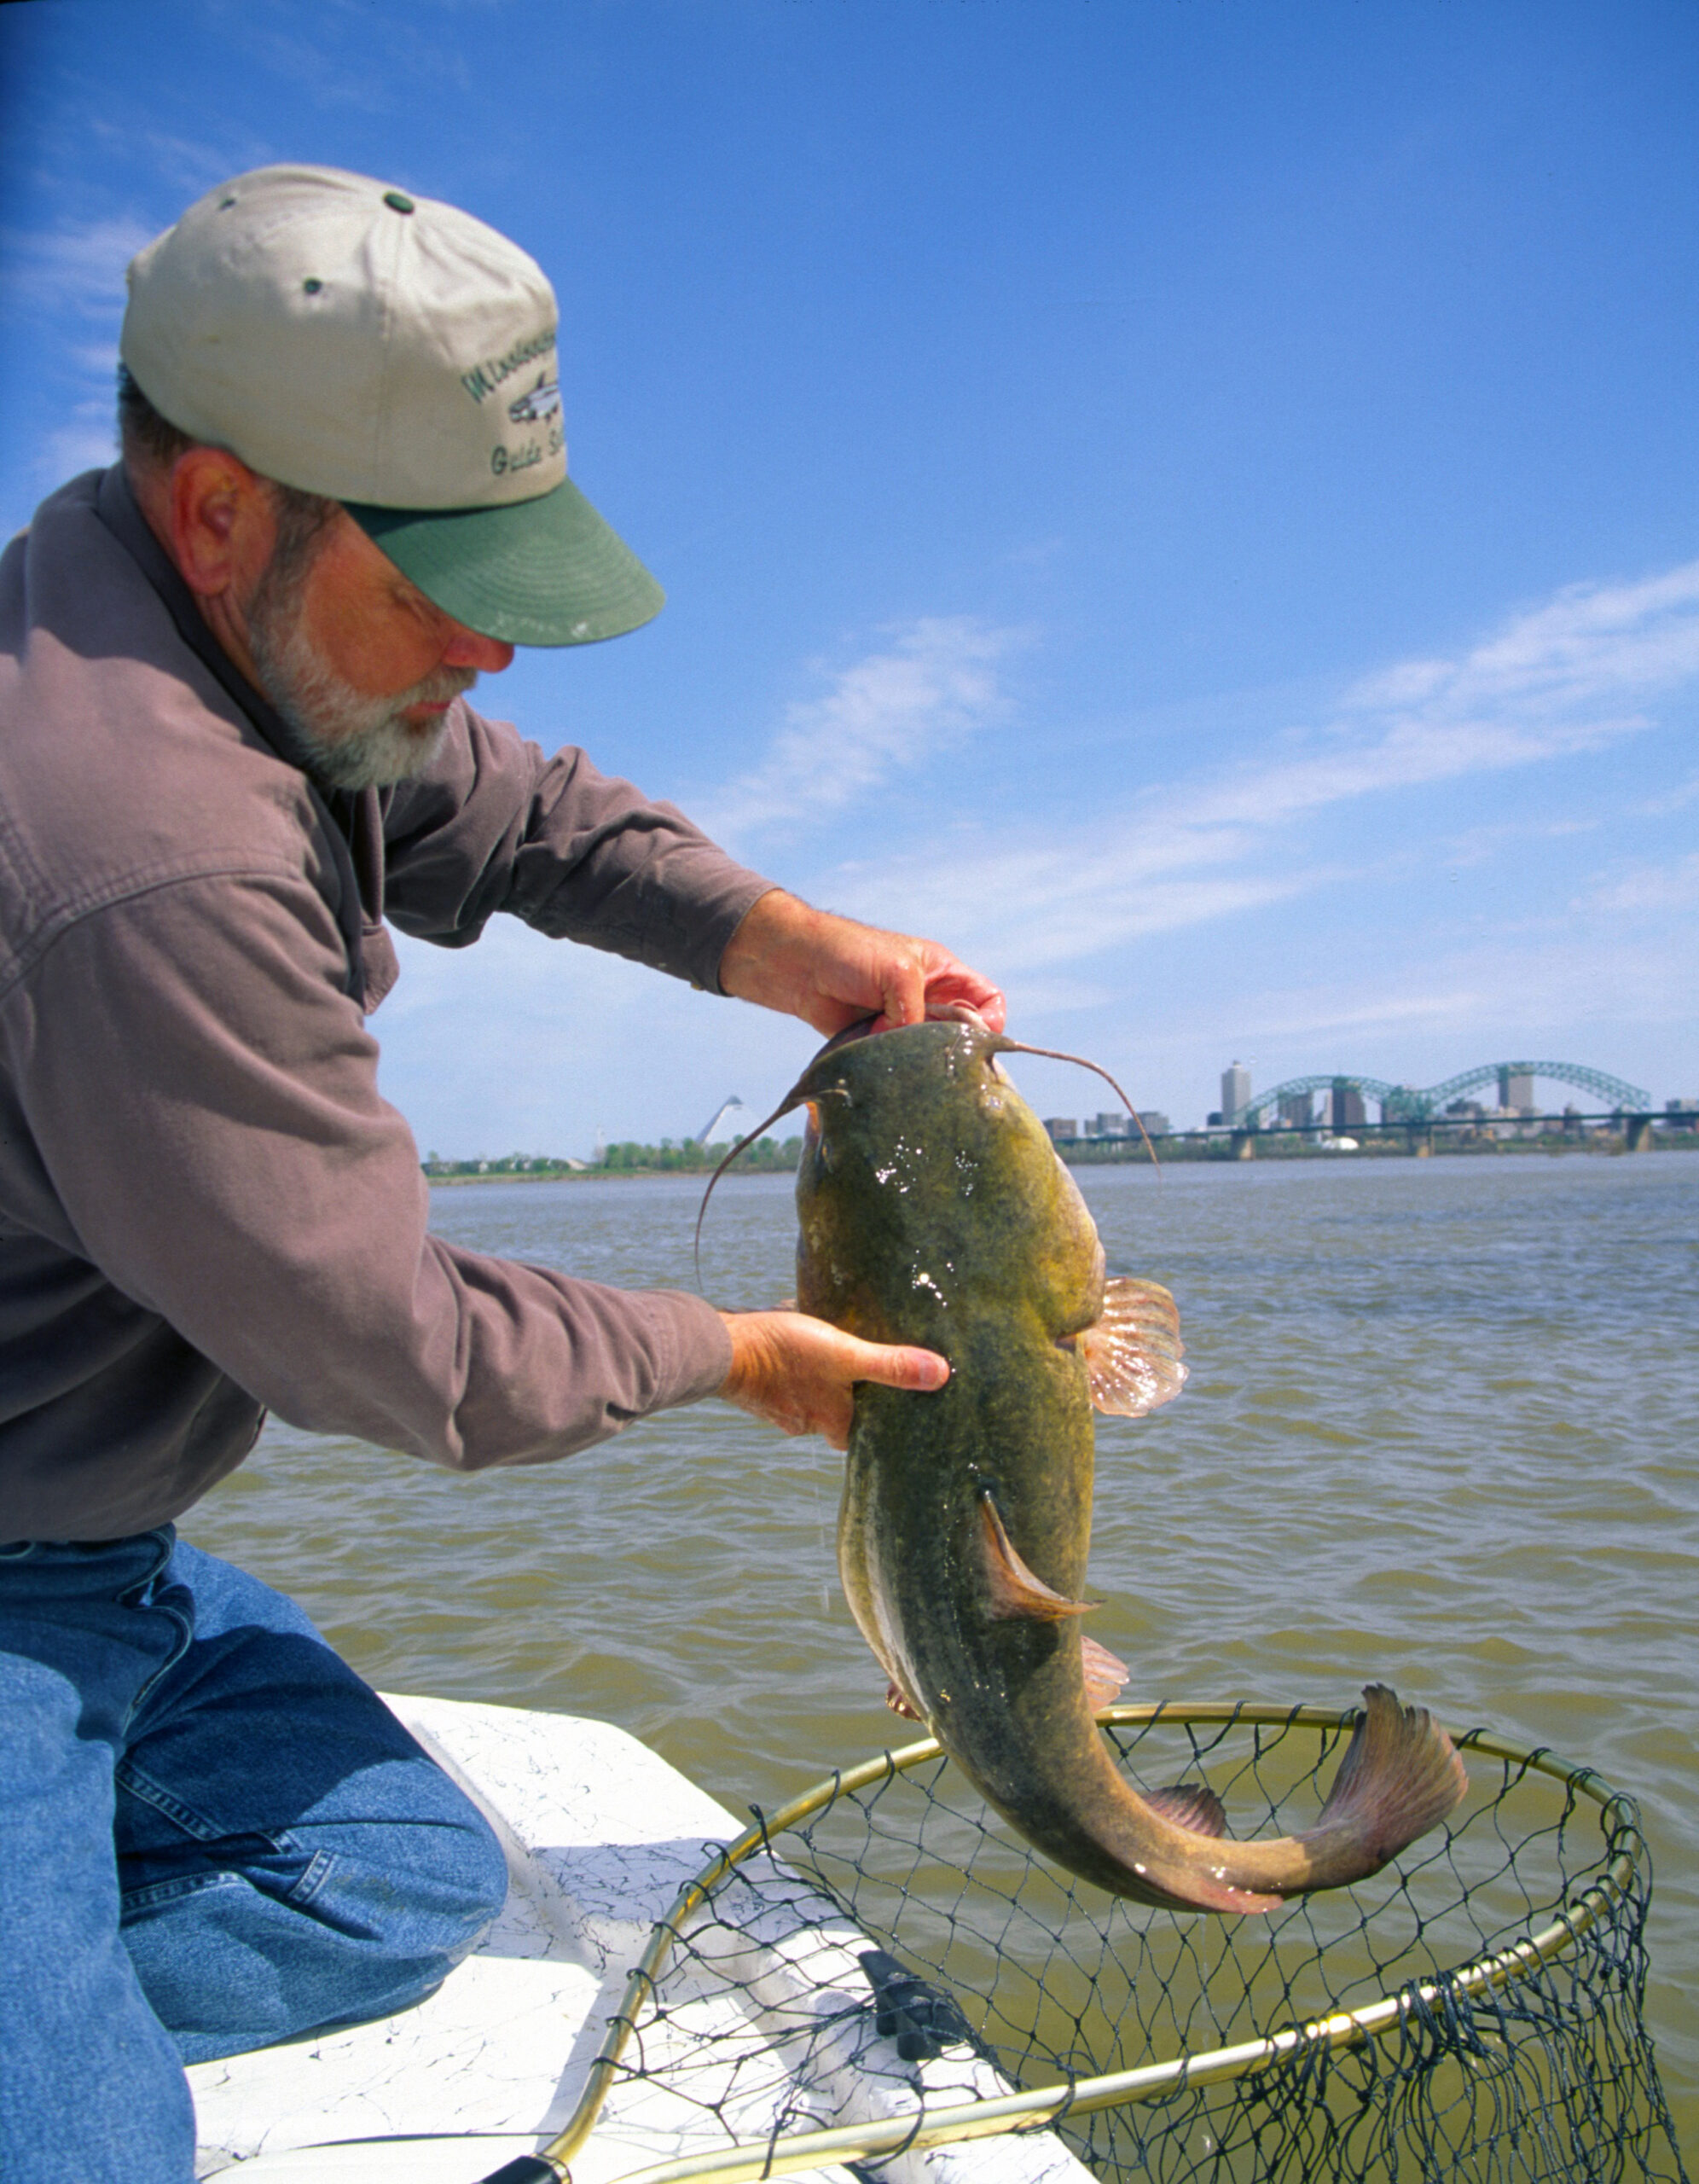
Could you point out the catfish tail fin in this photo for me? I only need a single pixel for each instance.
(1400, 1776)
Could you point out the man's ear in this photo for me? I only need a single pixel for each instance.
(220, 522)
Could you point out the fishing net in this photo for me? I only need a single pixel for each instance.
(883, 1969)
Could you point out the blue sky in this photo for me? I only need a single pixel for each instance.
(1195, 502)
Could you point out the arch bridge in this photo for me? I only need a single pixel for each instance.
(1407, 1103)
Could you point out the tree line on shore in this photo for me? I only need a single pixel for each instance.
(767, 1155)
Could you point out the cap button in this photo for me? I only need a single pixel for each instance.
(397, 201)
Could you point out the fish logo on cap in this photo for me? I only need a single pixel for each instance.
(544, 401)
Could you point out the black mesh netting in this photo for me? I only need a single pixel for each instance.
(899, 1951)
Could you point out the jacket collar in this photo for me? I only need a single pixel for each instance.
(356, 817)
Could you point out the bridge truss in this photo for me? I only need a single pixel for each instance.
(1405, 1103)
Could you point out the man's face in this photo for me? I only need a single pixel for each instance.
(357, 660)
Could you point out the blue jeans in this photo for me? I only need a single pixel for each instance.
(212, 1836)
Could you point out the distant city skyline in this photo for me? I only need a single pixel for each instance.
(1192, 507)
(1343, 1094)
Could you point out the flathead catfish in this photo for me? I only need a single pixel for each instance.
(934, 1211)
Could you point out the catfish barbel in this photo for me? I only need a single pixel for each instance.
(934, 1211)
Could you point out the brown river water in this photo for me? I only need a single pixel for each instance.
(1441, 1432)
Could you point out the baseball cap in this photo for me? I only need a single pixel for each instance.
(395, 354)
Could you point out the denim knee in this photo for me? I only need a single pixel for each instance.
(332, 1926)
(424, 1897)
(441, 1889)
(468, 1881)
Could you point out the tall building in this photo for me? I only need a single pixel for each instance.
(1516, 1089)
(1348, 1111)
(1297, 1110)
(1235, 1092)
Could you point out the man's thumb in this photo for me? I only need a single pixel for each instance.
(911, 1368)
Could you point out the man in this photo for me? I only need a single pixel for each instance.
(235, 740)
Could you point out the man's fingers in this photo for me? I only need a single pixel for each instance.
(904, 993)
(951, 983)
(831, 972)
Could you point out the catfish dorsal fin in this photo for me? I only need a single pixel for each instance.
(1134, 1350)
(1011, 1588)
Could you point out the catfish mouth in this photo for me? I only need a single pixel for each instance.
(807, 1089)
(869, 1027)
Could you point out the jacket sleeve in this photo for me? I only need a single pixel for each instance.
(492, 825)
(204, 1096)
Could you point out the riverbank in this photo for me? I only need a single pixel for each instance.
(1371, 1142)
(586, 1175)
(1111, 1152)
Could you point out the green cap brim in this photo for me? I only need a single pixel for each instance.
(545, 572)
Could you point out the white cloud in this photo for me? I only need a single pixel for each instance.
(1574, 677)
(1482, 994)
(88, 441)
(1675, 799)
(1591, 641)
(1645, 888)
(1028, 908)
(1409, 754)
(77, 265)
(1570, 676)
(524, 1044)
(1478, 845)
(69, 280)
(931, 688)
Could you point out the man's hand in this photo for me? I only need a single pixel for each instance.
(800, 1374)
(831, 972)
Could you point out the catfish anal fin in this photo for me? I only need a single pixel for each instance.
(1012, 1589)
(1133, 1353)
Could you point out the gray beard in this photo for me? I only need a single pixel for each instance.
(351, 740)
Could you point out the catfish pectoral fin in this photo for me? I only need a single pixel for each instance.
(1132, 1350)
(1011, 1588)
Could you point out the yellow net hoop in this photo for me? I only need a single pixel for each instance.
(1607, 1884)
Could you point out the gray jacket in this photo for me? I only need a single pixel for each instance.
(206, 1211)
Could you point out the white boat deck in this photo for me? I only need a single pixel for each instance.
(600, 1834)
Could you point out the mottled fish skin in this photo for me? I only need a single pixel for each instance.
(933, 1210)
